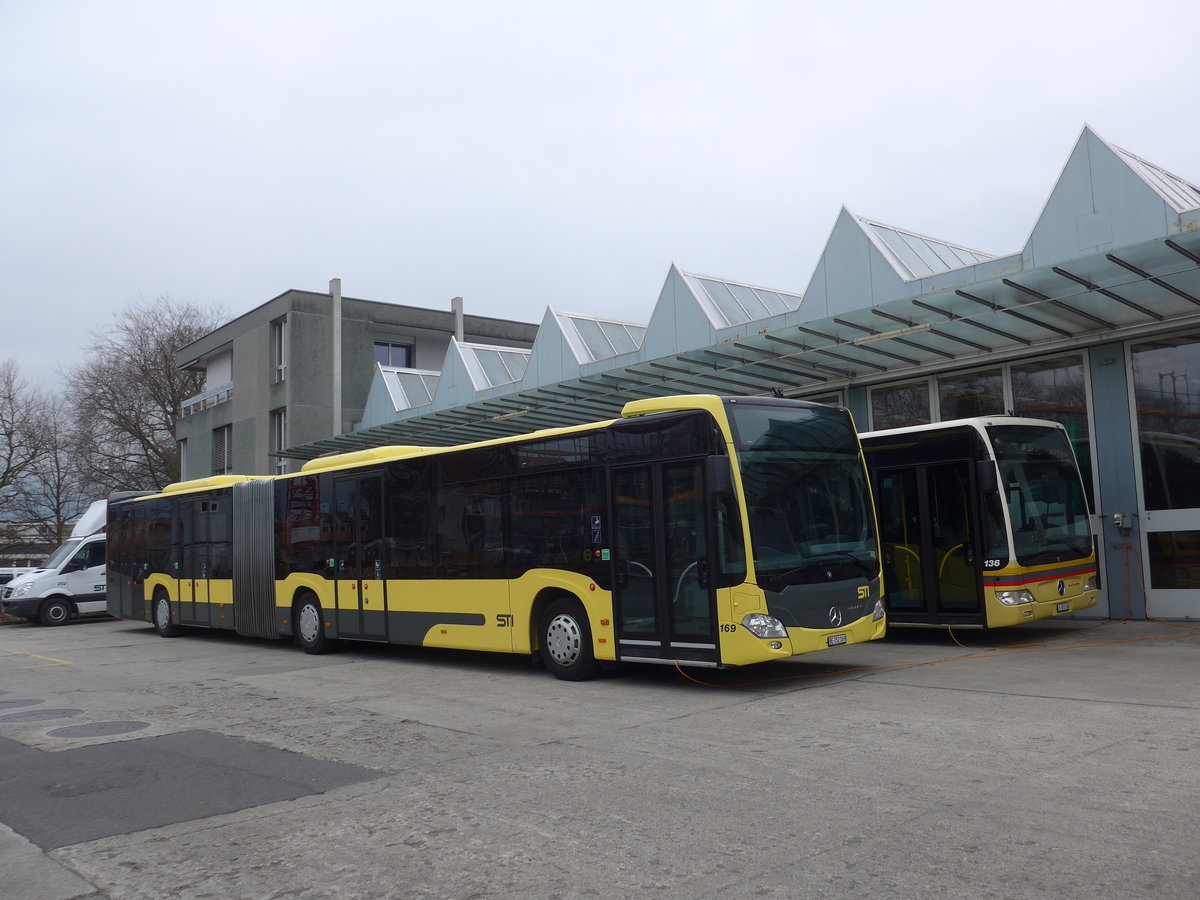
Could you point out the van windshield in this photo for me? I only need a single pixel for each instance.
(55, 559)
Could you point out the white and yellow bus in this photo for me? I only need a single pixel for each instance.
(694, 530)
(983, 522)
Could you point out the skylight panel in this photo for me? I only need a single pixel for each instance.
(927, 252)
(416, 391)
(727, 304)
(621, 336)
(493, 367)
(902, 251)
(750, 301)
(598, 346)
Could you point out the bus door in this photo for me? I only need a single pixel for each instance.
(664, 603)
(927, 522)
(193, 556)
(358, 559)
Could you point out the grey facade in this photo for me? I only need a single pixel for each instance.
(1094, 322)
(270, 380)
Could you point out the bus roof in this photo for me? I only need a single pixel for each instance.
(977, 423)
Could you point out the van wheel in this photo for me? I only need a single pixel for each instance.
(162, 616)
(565, 641)
(310, 626)
(55, 611)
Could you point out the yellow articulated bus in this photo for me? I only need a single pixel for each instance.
(983, 522)
(698, 530)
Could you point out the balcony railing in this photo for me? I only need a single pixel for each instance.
(212, 397)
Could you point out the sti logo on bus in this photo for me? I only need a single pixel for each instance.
(864, 591)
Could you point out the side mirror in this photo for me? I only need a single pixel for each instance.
(718, 476)
(986, 476)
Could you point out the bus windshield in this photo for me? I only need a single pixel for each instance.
(806, 494)
(1040, 483)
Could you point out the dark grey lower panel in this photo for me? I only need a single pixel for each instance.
(121, 787)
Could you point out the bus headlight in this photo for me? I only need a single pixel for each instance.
(879, 612)
(1092, 583)
(1014, 598)
(23, 589)
(764, 626)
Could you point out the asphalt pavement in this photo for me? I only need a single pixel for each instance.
(1056, 759)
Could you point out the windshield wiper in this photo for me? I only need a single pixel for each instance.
(787, 576)
(1054, 549)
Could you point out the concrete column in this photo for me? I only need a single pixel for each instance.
(456, 307)
(335, 292)
(1116, 477)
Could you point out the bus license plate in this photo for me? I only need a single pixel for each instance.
(835, 639)
(1063, 607)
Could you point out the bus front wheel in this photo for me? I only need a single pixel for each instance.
(309, 628)
(565, 641)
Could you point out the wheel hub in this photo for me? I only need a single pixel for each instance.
(309, 623)
(563, 640)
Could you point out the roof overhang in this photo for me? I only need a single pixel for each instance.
(1139, 289)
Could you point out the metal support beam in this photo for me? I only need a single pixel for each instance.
(1162, 284)
(1065, 307)
(1107, 293)
(953, 317)
(996, 307)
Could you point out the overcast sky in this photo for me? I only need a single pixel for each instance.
(533, 154)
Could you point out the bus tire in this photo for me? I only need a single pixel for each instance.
(565, 640)
(162, 615)
(55, 611)
(309, 629)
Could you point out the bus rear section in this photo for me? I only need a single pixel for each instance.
(983, 523)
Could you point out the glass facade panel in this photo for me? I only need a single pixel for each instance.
(972, 394)
(1054, 389)
(1168, 418)
(1174, 559)
(896, 406)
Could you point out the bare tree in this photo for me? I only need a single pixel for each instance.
(126, 396)
(22, 421)
(54, 491)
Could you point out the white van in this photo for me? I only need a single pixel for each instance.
(71, 580)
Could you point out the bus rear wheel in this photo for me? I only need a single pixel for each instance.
(310, 627)
(162, 616)
(565, 641)
(54, 611)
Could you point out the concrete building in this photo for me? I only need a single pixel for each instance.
(1094, 322)
(298, 369)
